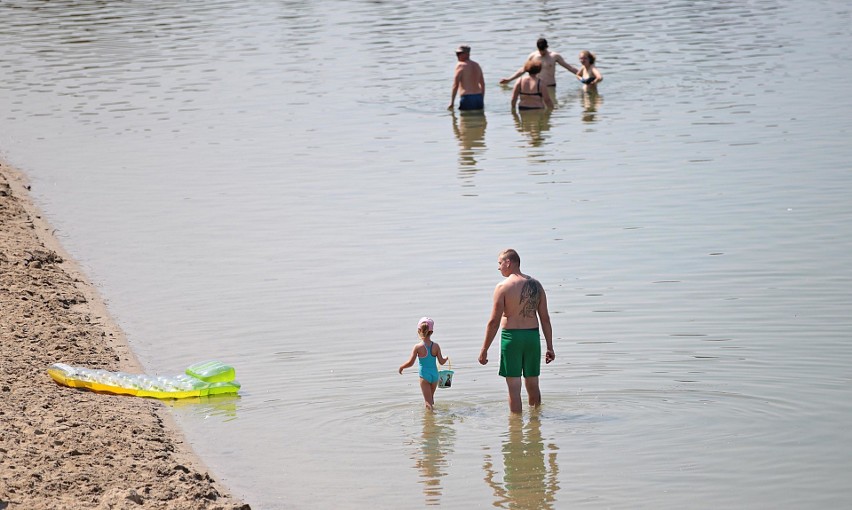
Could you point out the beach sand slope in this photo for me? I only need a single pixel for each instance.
(62, 447)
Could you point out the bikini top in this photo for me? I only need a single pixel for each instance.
(537, 90)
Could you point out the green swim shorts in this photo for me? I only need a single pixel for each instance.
(520, 353)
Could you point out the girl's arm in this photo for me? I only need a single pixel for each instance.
(410, 361)
(441, 358)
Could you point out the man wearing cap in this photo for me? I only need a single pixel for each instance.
(519, 304)
(548, 60)
(468, 81)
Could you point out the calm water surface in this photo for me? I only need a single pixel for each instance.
(279, 185)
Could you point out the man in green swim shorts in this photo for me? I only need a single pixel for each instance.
(519, 304)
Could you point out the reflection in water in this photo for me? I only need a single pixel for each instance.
(533, 123)
(530, 478)
(223, 407)
(437, 441)
(469, 128)
(590, 102)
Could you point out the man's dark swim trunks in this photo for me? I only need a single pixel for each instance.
(472, 102)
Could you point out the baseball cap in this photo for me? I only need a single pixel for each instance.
(427, 320)
(463, 49)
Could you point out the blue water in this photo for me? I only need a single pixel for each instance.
(279, 185)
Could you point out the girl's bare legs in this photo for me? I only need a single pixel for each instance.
(428, 390)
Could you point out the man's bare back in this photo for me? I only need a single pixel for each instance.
(470, 78)
(521, 295)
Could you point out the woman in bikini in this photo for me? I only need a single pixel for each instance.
(589, 75)
(530, 91)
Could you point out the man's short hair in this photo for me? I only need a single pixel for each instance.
(511, 255)
(541, 44)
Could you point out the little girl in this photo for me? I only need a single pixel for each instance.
(426, 352)
(589, 75)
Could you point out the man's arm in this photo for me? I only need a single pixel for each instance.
(456, 82)
(493, 324)
(519, 72)
(561, 61)
(482, 82)
(546, 327)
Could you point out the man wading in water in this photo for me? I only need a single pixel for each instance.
(519, 304)
(548, 60)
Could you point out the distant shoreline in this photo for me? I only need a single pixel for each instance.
(67, 448)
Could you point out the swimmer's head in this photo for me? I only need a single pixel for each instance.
(425, 327)
(541, 44)
(426, 322)
(533, 66)
(588, 56)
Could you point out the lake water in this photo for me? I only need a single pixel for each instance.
(278, 185)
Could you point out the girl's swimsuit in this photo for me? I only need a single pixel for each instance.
(428, 366)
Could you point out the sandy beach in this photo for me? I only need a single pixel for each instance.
(62, 447)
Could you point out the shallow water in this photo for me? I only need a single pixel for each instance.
(278, 185)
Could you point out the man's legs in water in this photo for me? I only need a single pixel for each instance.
(514, 385)
(533, 391)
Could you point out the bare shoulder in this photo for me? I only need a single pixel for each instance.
(531, 281)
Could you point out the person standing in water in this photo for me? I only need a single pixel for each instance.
(426, 352)
(519, 303)
(589, 75)
(548, 60)
(468, 81)
(530, 91)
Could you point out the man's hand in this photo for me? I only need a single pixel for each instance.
(549, 356)
(483, 357)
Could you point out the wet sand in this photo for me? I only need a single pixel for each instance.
(68, 448)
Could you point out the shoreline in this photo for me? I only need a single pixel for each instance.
(63, 447)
